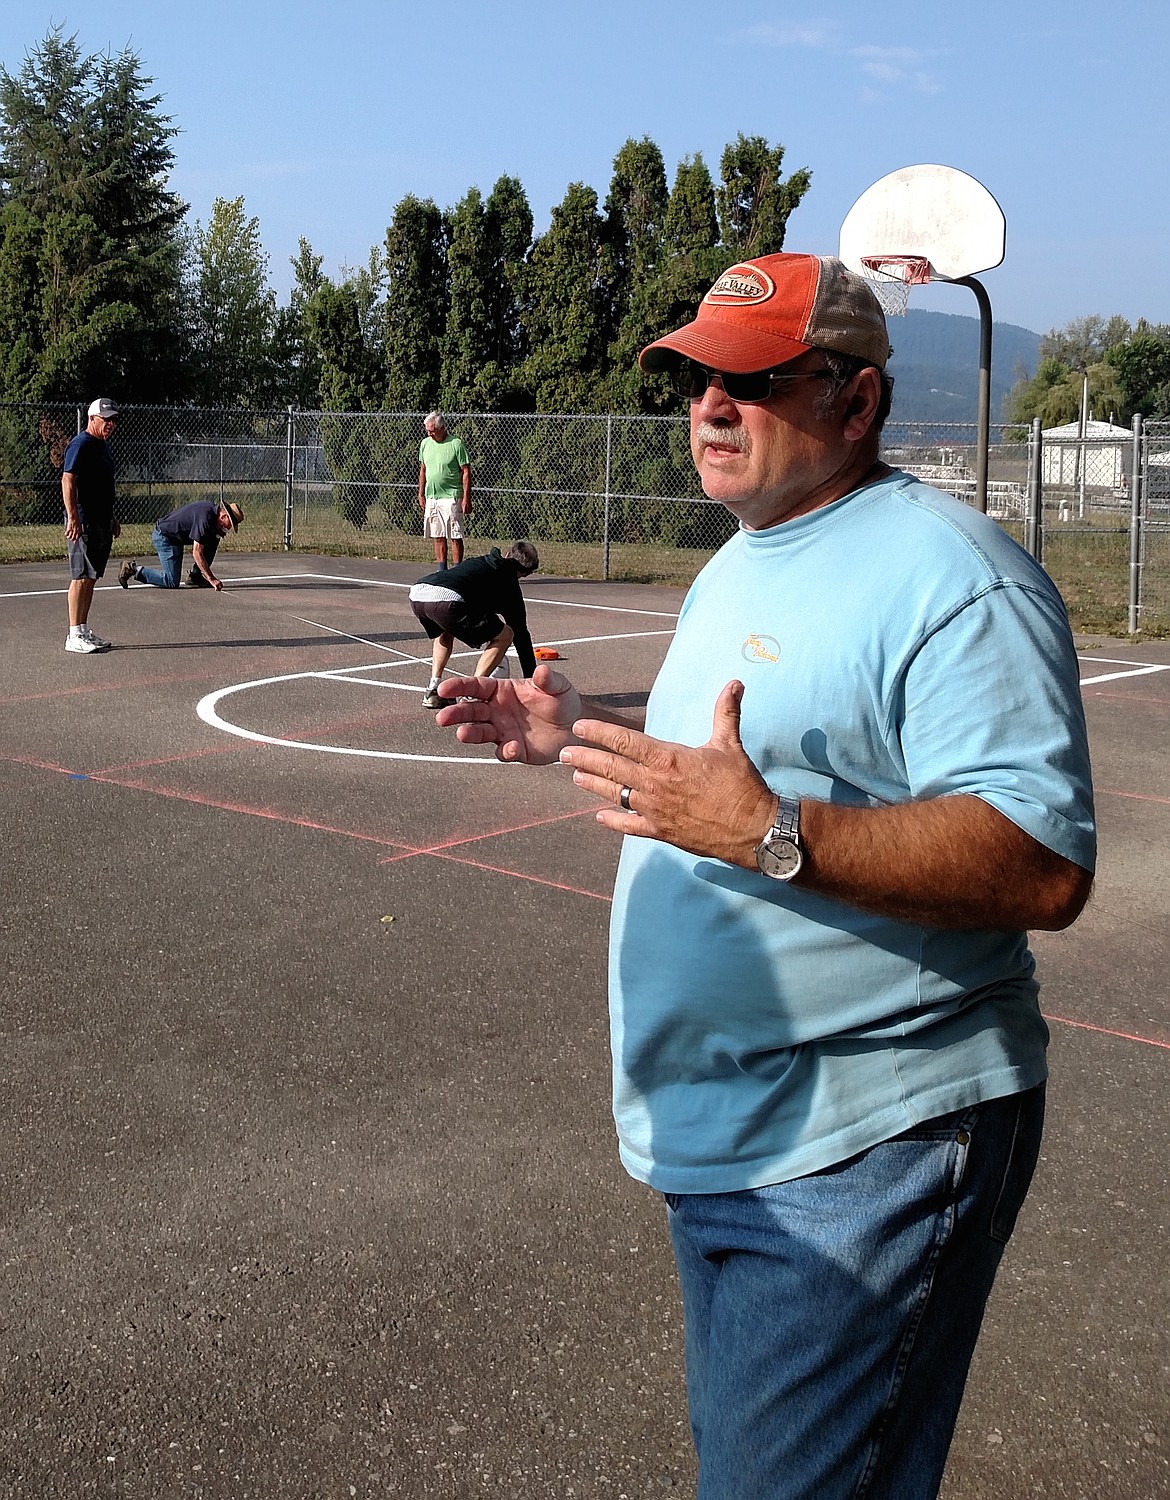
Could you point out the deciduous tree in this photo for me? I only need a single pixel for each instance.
(233, 309)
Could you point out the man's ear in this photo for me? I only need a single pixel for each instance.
(862, 404)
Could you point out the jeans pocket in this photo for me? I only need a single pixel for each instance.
(1028, 1124)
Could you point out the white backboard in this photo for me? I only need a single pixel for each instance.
(935, 212)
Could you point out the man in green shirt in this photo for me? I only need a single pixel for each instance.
(444, 488)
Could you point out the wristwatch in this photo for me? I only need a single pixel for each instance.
(778, 852)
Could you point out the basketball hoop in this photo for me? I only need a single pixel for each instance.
(892, 276)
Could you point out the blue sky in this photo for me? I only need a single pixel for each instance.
(324, 115)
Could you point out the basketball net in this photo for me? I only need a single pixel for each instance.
(892, 276)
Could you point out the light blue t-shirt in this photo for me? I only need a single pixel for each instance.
(894, 646)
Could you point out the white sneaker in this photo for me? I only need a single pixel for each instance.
(99, 641)
(82, 643)
(503, 672)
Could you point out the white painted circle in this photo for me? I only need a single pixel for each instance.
(206, 709)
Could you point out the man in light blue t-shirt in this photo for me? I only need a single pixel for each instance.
(864, 775)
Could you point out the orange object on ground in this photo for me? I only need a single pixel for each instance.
(546, 653)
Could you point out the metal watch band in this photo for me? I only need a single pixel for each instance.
(787, 823)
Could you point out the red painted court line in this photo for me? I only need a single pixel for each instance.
(1108, 791)
(39, 765)
(1126, 1036)
(1128, 697)
(556, 885)
(268, 814)
(496, 833)
(107, 772)
(108, 687)
(223, 749)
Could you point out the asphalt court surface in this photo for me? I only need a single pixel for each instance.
(302, 1201)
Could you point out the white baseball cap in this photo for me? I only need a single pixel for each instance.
(103, 407)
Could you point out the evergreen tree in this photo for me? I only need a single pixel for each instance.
(486, 244)
(468, 332)
(509, 229)
(90, 249)
(690, 260)
(233, 309)
(416, 304)
(635, 213)
(565, 308)
(754, 201)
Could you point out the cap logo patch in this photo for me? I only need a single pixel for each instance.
(741, 285)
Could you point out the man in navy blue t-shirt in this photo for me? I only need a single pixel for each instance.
(198, 525)
(87, 489)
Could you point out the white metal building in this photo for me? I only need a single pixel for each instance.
(1103, 455)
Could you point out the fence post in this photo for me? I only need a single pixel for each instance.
(605, 514)
(1135, 526)
(289, 460)
(1035, 489)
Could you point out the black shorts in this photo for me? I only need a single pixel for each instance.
(452, 617)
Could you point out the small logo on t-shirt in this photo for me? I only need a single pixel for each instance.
(760, 648)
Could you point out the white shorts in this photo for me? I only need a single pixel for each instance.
(443, 518)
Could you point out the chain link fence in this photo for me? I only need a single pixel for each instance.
(602, 496)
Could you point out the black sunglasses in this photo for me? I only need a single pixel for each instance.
(691, 380)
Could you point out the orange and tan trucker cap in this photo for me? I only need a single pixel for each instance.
(762, 313)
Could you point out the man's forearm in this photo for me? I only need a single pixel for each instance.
(954, 862)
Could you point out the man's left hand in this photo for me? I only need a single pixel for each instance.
(710, 801)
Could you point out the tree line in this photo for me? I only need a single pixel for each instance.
(105, 285)
(1126, 368)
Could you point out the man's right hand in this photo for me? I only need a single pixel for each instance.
(528, 720)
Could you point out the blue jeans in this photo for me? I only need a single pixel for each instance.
(170, 554)
(830, 1321)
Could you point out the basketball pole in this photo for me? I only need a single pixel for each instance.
(983, 419)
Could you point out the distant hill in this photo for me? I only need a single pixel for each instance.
(935, 365)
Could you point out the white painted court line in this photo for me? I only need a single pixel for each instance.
(206, 709)
(401, 687)
(374, 583)
(362, 641)
(1117, 661)
(1116, 676)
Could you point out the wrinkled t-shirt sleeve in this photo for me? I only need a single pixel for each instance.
(991, 706)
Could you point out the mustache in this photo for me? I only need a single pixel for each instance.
(722, 437)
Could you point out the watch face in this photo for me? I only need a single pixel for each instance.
(779, 859)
